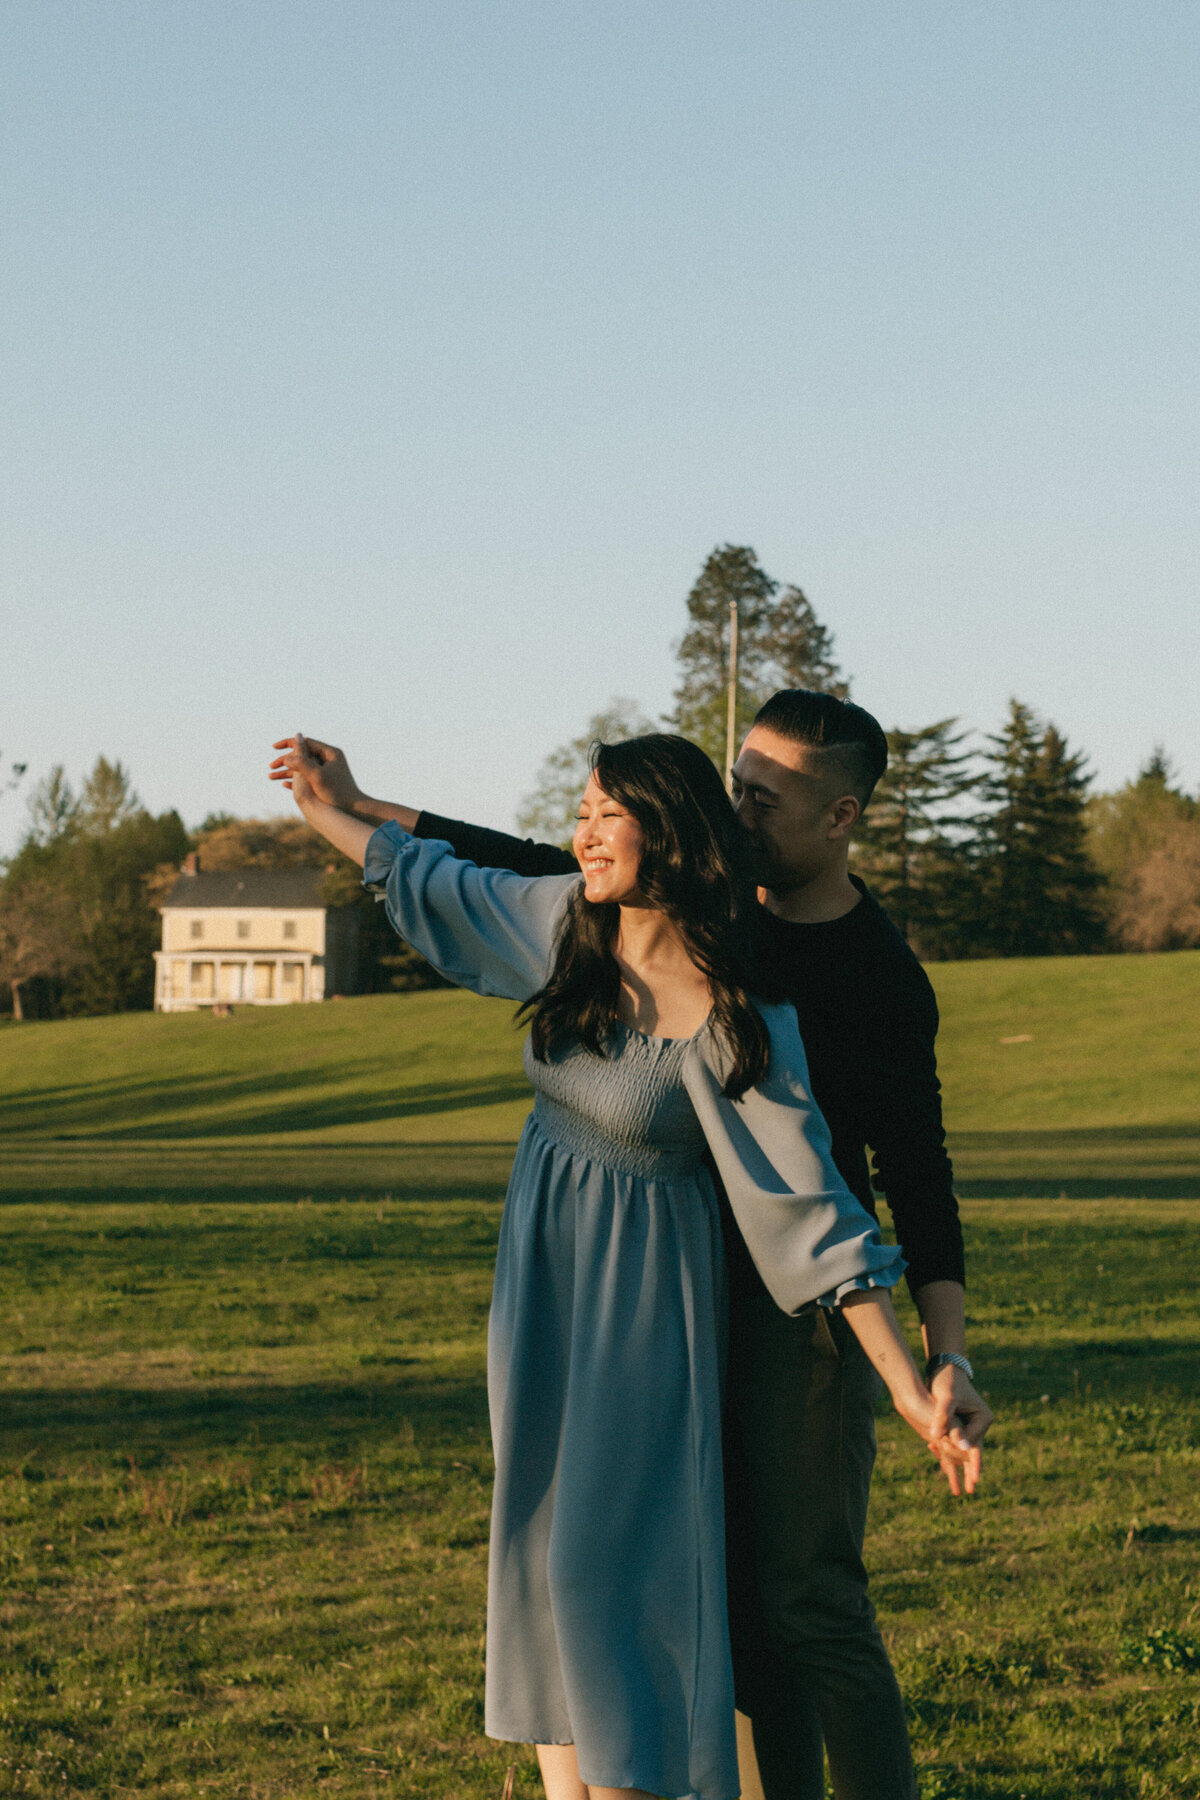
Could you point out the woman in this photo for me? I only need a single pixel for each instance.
(607, 1637)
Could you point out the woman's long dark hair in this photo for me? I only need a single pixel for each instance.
(696, 869)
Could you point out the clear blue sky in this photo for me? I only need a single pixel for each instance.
(387, 368)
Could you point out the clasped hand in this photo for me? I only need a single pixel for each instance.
(952, 1418)
(322, 768)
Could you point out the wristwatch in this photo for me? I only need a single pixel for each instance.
(948, 1359)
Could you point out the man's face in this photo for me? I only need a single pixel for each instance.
(797, 818)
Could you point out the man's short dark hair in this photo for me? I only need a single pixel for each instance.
(852, 744)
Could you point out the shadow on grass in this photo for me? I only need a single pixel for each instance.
(318, 1419)
(103, 1173)
(1078, 1187)
(240, 1105)
(1147, 1162)
(346, 1418)
(1134, 1369)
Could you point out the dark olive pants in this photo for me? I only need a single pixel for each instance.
(809, 1664)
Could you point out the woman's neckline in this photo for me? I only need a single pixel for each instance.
(653, 1037)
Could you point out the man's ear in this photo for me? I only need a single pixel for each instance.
(845, 812)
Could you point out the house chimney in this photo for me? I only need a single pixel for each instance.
(191, 863)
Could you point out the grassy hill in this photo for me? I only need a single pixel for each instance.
(1069, 1076)
(244, 1458)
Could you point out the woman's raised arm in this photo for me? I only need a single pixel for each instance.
(484, 929)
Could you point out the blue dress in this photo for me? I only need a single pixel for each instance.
(606, 1590)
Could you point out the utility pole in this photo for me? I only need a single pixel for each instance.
(731, 715)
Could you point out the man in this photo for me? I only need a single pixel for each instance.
(812, 1672)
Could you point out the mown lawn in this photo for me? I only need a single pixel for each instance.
(243, 1448)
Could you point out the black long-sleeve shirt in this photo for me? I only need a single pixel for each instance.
(868, 1018)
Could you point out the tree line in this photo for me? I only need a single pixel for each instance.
(79, 919)
(990, 845)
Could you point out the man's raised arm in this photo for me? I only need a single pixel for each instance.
(489, 849)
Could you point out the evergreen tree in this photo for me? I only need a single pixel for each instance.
(781, 643)
(800, 649)
(1039, 889)
(913, 843)
(731, 573)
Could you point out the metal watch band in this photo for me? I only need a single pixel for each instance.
(948, 1359)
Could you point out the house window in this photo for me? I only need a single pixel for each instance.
(243, 926)
(289, 928)
(197, 928)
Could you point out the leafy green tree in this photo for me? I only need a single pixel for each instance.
(1159, 908)
(781, 643)
(53, 807)
(1143, 838)
(284, 842)
(549, 811)
(107, 799)
(386, 963)
(913, 845)
(1039, 891)
(39, 937)
(95, 856)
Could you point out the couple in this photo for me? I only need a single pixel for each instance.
(608, 1644)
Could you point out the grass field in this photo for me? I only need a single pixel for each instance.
(243, 1447)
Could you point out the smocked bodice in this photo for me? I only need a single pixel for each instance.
(628, 1110)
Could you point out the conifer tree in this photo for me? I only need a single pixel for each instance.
(913, 843)
(1039, 889)
(800, 649)
(781, 643)
(731, 572)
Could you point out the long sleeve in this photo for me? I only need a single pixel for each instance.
(496, 849)
(809, 1237)
(484, 929)
(900, 1104)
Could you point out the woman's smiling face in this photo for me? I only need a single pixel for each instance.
(608, 845)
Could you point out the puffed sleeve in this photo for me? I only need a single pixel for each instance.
(484, 929)
(809, 1237)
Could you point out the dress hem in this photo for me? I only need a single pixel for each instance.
(653, 1786)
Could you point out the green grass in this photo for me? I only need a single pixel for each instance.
(1100, 1094)
(244, 1464)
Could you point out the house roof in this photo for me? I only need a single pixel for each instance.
(248, 888)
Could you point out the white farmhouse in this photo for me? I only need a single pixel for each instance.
(252, 937)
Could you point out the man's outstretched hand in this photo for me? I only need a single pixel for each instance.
(327, 776)
(324, 768)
